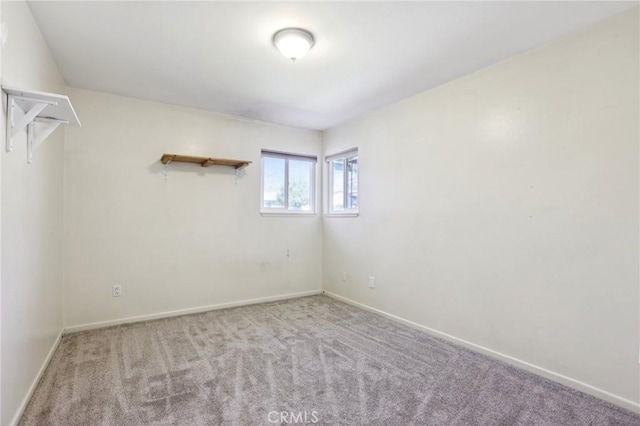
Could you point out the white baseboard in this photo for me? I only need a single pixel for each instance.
(36, 380)
(109, 323)
(556, 377)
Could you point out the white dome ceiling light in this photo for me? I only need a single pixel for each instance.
(293, 43)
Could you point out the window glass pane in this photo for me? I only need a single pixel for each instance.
(300, 185)
(273, 195)
(337, 192)
(352, 183)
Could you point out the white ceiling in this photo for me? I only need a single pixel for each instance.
(218, 56)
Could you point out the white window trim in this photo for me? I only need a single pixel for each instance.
(332, 215)
(344, 212)
(312, 196)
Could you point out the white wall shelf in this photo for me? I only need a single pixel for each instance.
(25, 108)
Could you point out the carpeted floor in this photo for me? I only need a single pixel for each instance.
(309, 359)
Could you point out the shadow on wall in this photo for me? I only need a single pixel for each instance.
(195, 169)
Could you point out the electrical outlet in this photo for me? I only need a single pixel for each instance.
(372, 282)
(117, 290)
(344, 276)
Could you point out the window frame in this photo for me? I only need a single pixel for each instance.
(344, 156)
(312, 183)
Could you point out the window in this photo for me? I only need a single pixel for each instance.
(288, 183)
(343, 182)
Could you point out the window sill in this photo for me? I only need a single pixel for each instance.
(288, 214)
(354, 214)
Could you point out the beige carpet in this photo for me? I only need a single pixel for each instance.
(309, 359)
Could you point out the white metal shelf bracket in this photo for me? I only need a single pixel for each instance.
(166, 170)
(35, 138)
(29, 116)
(48, 108)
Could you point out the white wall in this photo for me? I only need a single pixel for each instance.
(194, 240)
(31, 220)
(502, 209)
(2, 142)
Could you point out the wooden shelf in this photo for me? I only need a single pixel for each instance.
(203, 161)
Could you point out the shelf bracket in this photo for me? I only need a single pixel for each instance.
(25, 108)
(35, 139)
(166, 169)
(14, 127)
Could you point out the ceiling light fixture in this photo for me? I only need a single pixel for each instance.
(293, 43)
